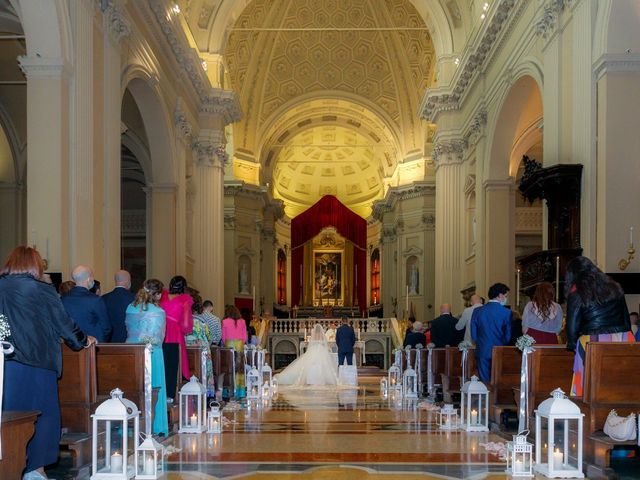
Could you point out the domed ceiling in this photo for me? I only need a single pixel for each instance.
(377, 54)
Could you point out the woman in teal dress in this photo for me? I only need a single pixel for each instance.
(146, 323)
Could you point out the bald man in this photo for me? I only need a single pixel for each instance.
(465, 319)
(443, 328)
(86, 309)
(117, 301)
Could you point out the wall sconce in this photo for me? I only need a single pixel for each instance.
(624, 263)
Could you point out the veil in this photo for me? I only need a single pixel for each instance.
(317, 335)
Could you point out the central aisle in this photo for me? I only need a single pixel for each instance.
(319, 433)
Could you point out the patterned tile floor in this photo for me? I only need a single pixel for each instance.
(327, 434)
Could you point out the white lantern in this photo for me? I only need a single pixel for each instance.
(384, 387)
(520, 457)
(274, 387)
(448, 417)
(193, 407)
(395, 378)
(558, 457)
(150, 459)
(265, 393)
(114, 417)
(214, 418)
(253, 384)
(409, 383)
(474, 402)
(267, 374)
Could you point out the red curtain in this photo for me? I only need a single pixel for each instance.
(328, 211)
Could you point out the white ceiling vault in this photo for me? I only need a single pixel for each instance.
(290, 61)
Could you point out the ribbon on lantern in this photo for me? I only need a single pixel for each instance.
(398, 358)
(418, 366)
(204, 356)
(408, 351)
(464, 348)
(430, 348)
(5, 349)
(525, 345)
(148, 389)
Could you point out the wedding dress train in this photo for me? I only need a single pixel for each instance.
(315, 367)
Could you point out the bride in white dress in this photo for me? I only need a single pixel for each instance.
(315, 367)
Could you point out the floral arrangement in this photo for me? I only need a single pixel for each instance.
(431, 346)
(5, 329)
(419, 346)
(465, 345)
(407, 348)
(525, 341)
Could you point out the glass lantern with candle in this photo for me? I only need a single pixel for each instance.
(274, 388)
(395, 379)
(384, 387)
(520, 456)
(409, 383)
(267, 374)
(116, 426)
(561, 455)
(214, 418)
(448, 417)
(265, 394)
(150, 455)
(193, 407)
(474, 402)
(253, 384)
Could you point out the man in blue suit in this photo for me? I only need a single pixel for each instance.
(491, 326)
(86, 309)
(345, 340)
(117, 301)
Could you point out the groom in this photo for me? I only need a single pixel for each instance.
(345, 340)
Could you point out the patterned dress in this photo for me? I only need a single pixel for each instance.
(201, 337)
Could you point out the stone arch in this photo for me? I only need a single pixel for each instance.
(617, 27)
(143, 86)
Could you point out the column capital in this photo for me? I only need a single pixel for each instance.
(43, 67)
(210, 153)
(114, 20)
(448, 152)
(223, 103)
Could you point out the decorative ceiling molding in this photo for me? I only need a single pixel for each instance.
(183, 126)
(547, 26)
(396, 194)
(115, 22)
(616, 62)
(448, 98)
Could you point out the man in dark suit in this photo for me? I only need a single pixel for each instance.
(117, 301)
(443, 328)
(415, 336)
(86, 309)
(345, 340)
(491, 326)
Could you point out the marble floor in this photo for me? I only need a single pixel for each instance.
(327, 434)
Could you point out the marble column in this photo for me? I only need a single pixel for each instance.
(82, 243)
(499, 216)
(161, 211)
(47, 155)
(115, 29)
(449, 223)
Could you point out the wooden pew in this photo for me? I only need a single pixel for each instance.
(609, 383)
(77, 389)
(121, 365)
(17, 430)
(550, 367)
(196, 366)
(452, 376)
(505, 376)
(224, 372)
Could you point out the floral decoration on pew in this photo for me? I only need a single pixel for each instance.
(430, 382)
(464, 347)
(431, 346)
(525, 345)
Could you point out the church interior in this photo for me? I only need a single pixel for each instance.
(307, 160)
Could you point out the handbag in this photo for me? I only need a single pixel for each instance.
(619, 428)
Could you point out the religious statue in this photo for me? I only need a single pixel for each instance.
(413, 280)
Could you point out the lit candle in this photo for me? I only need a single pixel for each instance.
(358, 334)
(631, 236)
(194, 420)
(149, 466)
(474, 417)
(518, 466)
(518, 289)
(116, 463)
(557, 459)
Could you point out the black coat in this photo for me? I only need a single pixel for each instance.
(412, 339)
(117, 301)
(443, 331)
(89, 312)
(345, 339)
(610, 317)
(37, 320)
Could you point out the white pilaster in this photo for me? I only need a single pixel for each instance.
(161, 253)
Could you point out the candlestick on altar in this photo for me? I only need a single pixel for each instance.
(631, 236)
(254, 298)
(557, 279)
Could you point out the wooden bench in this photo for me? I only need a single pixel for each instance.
(224, 368)
(505, 376)
(196, 366)
(17, 430)
(452, 376)
(609, 383)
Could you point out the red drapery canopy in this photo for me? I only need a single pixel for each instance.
(328, 211)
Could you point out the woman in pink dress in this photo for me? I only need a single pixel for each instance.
(234, 335)
(177, 305)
